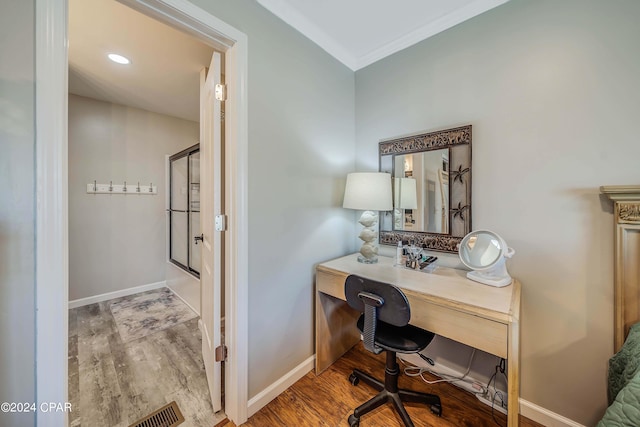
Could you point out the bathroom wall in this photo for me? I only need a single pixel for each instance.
(118, 241)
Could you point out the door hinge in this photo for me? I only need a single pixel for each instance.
(221, 353)
(221, 92)
(220, 222)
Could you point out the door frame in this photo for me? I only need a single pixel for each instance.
(51, 193)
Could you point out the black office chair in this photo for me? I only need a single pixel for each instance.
(385, 326)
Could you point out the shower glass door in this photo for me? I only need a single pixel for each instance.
(184, 209)
(194, 211)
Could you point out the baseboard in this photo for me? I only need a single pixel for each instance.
(197, 312)
(116, 294)
(544, 416)
(268, 394)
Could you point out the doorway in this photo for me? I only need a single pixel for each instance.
(51, 215)
(120, 131)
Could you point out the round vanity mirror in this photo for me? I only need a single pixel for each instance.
(484, 252)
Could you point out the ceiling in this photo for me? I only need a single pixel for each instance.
(361, 32)
(164, 74)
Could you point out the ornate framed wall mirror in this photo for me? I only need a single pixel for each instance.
(431, 188)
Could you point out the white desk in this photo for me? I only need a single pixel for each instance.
(444, 302)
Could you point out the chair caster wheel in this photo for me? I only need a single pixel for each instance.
(436, 409)
(353, 379)
(353, 421)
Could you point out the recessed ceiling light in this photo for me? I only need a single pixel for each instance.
(118, 58)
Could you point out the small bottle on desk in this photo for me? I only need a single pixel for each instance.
(399, 254)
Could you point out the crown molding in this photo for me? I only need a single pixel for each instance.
(428, 30)
(310, 30)
(333, 47)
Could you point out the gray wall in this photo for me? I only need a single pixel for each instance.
(17, 204)
(551, 89)
(118, 241)
(301, 132)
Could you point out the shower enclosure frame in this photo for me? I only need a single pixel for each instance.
(190, 243)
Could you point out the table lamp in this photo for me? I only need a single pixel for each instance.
(369, 192)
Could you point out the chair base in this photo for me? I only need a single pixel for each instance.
(389, 392)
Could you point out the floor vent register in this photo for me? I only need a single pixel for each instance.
(167, 416)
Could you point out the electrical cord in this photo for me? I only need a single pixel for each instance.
(500, 367)
(418, 371)
(411, 370)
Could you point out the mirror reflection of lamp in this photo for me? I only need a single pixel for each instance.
(404, 197)
(369, 192)
(404, 193)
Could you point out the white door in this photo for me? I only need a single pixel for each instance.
(211, 204)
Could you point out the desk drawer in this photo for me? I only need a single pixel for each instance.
(331, 283)
(447, 321)
(483, 334)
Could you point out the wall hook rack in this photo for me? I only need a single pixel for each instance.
(111, 188)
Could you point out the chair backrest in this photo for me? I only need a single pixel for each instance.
(378, 301)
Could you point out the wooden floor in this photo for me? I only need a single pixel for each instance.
(327, 400)
(113, 384)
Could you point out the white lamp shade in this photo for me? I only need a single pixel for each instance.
(404, 193)
(368, 191)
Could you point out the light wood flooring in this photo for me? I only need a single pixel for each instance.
(113, 384)
(327, 400)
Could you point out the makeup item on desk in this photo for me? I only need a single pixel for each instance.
(399, 253)
(430, 260)
(404, 253)
(414, 256)
(412, 264)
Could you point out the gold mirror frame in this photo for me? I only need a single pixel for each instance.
(458, 141)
